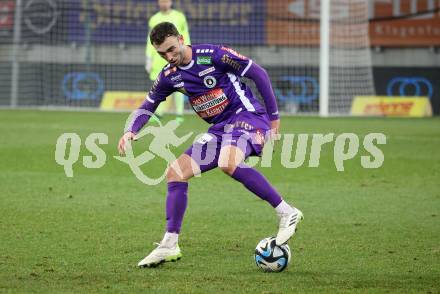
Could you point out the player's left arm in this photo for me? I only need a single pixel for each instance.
(231, 61)
(261, 79)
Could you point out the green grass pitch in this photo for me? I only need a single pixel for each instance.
(365, 230)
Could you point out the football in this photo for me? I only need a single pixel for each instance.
(270, 257)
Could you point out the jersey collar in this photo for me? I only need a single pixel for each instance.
(188, 66)
(191, 63)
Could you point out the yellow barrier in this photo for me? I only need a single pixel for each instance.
(391, 106)
(115, 100)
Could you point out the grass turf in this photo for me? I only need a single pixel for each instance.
(365, 230)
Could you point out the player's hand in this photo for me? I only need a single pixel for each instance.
(123, 141)
(275, 130)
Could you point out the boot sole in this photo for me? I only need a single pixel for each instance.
(168, 259)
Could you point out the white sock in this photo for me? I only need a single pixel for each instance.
(283, 207)
(170, 239)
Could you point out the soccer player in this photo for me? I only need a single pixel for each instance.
(153, 62)
(210, 76)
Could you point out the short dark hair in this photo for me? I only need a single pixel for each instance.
(161, 31)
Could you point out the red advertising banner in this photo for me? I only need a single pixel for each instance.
(395, 23)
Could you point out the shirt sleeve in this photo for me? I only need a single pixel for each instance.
(230, 60)
(160, 90)
(161, 87)
(264, 86)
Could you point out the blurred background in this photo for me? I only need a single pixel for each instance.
(91, 53)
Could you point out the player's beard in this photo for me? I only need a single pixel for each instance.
(181, 57)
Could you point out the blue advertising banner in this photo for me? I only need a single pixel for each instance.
(126, 21)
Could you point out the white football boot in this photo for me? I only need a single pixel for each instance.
(161, 254)
(287, 227)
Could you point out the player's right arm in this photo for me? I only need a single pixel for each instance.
(160, 90)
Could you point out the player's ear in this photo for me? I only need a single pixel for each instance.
(181, 40)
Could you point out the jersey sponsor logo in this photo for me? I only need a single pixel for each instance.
(204, 60)
(209, 104)
(169, 71)
(210, 81)
(176, 78)
(206, 71)
(228, 60)
(243, 125)
(179, 85)
(233, 52)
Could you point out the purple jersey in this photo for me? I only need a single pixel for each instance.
(212, 82)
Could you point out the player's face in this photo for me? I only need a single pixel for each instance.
(164, 5)
(172, 50)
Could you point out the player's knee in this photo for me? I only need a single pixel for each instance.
(173, 176)
(176, 173)
(228, 168)
(230, 157)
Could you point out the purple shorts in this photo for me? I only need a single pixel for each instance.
(246, 130)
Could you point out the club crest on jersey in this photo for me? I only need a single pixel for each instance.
(210, 81)
(206, 71)
(204, 60)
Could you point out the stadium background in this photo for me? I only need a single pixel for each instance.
(365, 230)
(71, 52)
